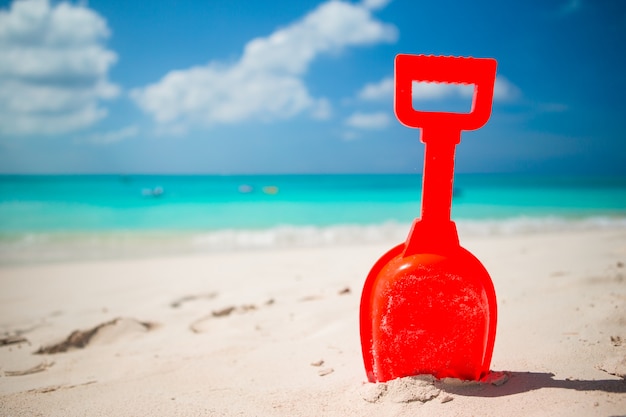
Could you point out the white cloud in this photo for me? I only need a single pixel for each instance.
(266, 82)
(375, 4)
(433, 91)
(504, 90)
(378, 120)
(53, 67)
(383, 90)
(323, 110)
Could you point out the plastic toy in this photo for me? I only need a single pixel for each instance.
(428, 305)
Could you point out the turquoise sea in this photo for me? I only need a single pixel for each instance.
(54, 217)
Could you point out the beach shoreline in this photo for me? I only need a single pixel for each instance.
(42, 247)
(275, 332)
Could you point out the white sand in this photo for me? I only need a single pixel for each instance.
(275, 333)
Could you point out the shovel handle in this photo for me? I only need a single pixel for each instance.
(481, 72)
(441, 132)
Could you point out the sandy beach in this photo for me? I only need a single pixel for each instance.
(275, 333)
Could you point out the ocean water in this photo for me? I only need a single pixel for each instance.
(86, 216)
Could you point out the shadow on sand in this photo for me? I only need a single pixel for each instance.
(520, 382)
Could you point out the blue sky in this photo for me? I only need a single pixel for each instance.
(243, 86)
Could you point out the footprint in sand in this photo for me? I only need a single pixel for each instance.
(202, 324)
(316, 297)
(33, 369)
(614, 366)
(16, 360)
(188, 298)
(12, 340)
(52, 388)
(103, 333)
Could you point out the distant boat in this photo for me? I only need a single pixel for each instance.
(152, 192)
(245, 188)
(270, 189)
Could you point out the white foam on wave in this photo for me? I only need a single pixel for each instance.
(528, 225)
(50, 247)
(298, 236)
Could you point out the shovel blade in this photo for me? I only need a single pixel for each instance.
(428, 314)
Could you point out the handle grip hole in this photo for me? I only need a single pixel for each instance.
(442, 97)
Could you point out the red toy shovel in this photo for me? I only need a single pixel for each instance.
(428, 305)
